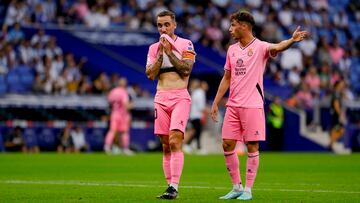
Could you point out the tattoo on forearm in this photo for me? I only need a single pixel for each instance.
(154, 69)
(183, 67)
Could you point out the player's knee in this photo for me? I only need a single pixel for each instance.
(175, 140)
(175, 145)
(253, 146)
(166, 148)
(228, 146)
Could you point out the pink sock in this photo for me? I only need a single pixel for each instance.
(252, 164)
(125, 140)
(166, 167)
(232, 165)
(109, 138)
(176, 165)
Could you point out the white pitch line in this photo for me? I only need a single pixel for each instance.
(80, 183)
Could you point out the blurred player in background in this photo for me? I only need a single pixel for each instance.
(338, 114)
(198, 115)
(170, 61)
(244, 118)
(119, 120)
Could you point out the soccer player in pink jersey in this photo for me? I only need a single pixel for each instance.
(119, 119)
(170, 61)
(244, 118)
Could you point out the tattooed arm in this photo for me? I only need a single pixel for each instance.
(183, 67)
(152, 70)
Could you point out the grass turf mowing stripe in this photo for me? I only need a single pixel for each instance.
(81, 183)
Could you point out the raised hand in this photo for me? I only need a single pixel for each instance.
(160, 50)
(166, 45)
(299, 35)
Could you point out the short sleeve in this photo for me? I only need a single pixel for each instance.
(188, 51)
(227, 62)
(151, 56)
(267, 53)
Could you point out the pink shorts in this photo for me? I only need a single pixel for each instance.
(120, 122)
(172, 109)
(244, 124)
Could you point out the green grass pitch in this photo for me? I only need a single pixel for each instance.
(282, 177)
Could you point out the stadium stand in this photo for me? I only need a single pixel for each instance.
(79, 40)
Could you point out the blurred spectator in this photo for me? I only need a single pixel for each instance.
(80, 9)
(323, 53)
(15, 35)
(294, 77)
(65, 142)
(312, 79)
(52, 49)
(85, 85)
(4, 69)
(336, 52)
(101, 84)
(308, 47)
(135, 91)
(338, 115)
(291, 58)
(304, 97)
(325, 74)
(40, 37)
(197, 114)
(78, 139)
(114, 80)
(275, 119)
(14, 140)
(38, 17)
(16, 13)
(26, 52)
(10, 55)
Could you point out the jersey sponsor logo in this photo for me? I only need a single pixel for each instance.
(239, 63)
(240, 71)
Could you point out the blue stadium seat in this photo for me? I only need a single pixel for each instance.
(26, 78)
(13, 82)
(3, 85)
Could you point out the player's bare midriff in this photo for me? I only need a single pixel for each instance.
(172, 81)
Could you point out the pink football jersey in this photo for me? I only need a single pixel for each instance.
(247, 65)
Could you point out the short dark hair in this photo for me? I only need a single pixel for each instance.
(167, 13)
(243, 16)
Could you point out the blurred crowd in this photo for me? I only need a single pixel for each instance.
(310, 68)
(37, 64)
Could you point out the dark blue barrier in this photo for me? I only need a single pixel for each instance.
(2, 147)
(47, 138)
(30, 137)
(140, 138)
(95, 138)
